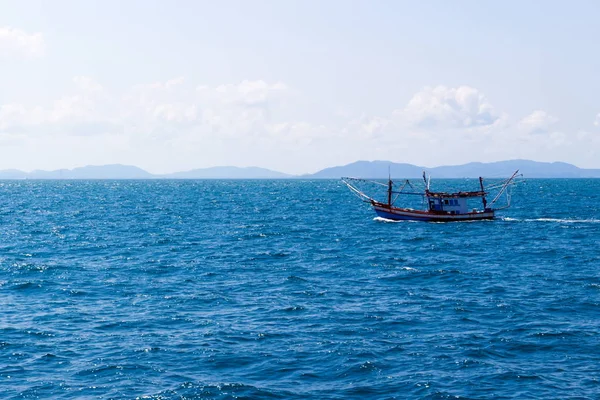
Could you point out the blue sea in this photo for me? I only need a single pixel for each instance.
(292, 289)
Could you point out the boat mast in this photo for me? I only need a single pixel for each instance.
(483, 193)
(426, 182)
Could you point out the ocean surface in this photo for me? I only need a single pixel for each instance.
(292, 289)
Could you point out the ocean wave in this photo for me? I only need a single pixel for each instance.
(254, 291)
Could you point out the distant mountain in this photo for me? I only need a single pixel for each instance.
(12, 174)
(369, 169)
(228, 173)
(114, 171)
(358, 169)
(530, 169)
(117, 171)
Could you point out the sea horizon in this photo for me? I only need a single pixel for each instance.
(364, 169)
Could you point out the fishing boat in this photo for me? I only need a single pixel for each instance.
(438, 206)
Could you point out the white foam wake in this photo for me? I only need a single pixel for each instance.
(381, 219)
(556, 220)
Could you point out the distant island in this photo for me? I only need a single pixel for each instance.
(358, 169)
(530, 169)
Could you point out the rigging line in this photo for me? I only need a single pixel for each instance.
(498, 184)
(364, 180)
(506, 184)
(357, 192)
(402, 187)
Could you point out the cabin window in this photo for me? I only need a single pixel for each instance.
(446, 202)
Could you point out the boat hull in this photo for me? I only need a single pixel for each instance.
(404, 214)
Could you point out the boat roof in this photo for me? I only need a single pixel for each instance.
(477, 193)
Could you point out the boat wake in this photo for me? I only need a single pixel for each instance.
(393, 221)
(381, 219)
(556, 220)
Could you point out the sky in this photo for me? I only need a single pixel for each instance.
(297, 86)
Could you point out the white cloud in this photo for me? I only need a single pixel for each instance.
(299, 133)
(11, 114)
(87, 84)
(15, 42)
(444, 107)
(248, 109)
(158, 109)
(365, 127)
(232, 110)
(246, 93)
(597, 121)
(88, 105)
(538, 122)
(434, 117)
(374, 126)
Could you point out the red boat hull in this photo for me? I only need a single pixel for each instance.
(407, 214)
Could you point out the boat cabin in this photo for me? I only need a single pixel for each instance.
(452, 203)
(449, 204)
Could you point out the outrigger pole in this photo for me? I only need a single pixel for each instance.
(357, 192)
(506, 184)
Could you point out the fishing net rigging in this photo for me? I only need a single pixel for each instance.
(442, 204)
